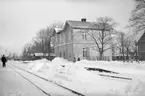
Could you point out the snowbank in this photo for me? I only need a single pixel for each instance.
(136, 87)
(72, 75)
(76, 77)
(37, 65)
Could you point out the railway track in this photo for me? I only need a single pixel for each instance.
(48, 94)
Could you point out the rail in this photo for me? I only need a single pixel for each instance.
(73, 91)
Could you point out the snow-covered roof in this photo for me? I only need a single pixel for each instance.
(57, 30)
(139, 36)
(85, 25)
(81, 25)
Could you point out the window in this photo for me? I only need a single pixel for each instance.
(60, 54)
(84, 36)
(84, 52)
(63, 54)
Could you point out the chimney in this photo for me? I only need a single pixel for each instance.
(83, 19)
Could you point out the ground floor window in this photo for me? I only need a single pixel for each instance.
(60, 54)
(84, 52)
(64, 55)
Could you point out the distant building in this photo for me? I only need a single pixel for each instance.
(72, 42)
(141, 47)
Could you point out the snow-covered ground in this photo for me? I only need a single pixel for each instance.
(116, 79)
(12, 84)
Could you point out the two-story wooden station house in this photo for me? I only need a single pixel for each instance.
(72, 43)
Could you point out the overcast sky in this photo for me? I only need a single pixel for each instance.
(21, 19)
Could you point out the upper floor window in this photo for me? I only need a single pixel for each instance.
(58, 38)
(84, 36)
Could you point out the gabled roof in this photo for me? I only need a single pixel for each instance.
(81, 25)
(139, 37)
(86, 25)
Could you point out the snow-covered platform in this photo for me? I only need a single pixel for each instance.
(12, 84)
(104, 78)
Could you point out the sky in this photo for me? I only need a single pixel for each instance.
(20, 20)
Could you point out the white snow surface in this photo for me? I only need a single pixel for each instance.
(90, 83)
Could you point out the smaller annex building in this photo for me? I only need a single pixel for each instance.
(141, 47)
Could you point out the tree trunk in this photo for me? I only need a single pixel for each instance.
(122, 44)
(101, 55)
(127, 53)
(49, 51)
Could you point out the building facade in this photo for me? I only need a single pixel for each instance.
(72, 43)
(141, 47)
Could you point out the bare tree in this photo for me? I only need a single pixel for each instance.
(130, 46)
(26, 50)
(49, 32)
(42, 43)
(103, 36)
(57, 24)
(137, 20)
(43, 40)
(118, 44)
(125, 43)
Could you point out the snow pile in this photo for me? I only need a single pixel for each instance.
(136, 87)
(37, 65)
(59, 65)
(76, 77)
(73, 71)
